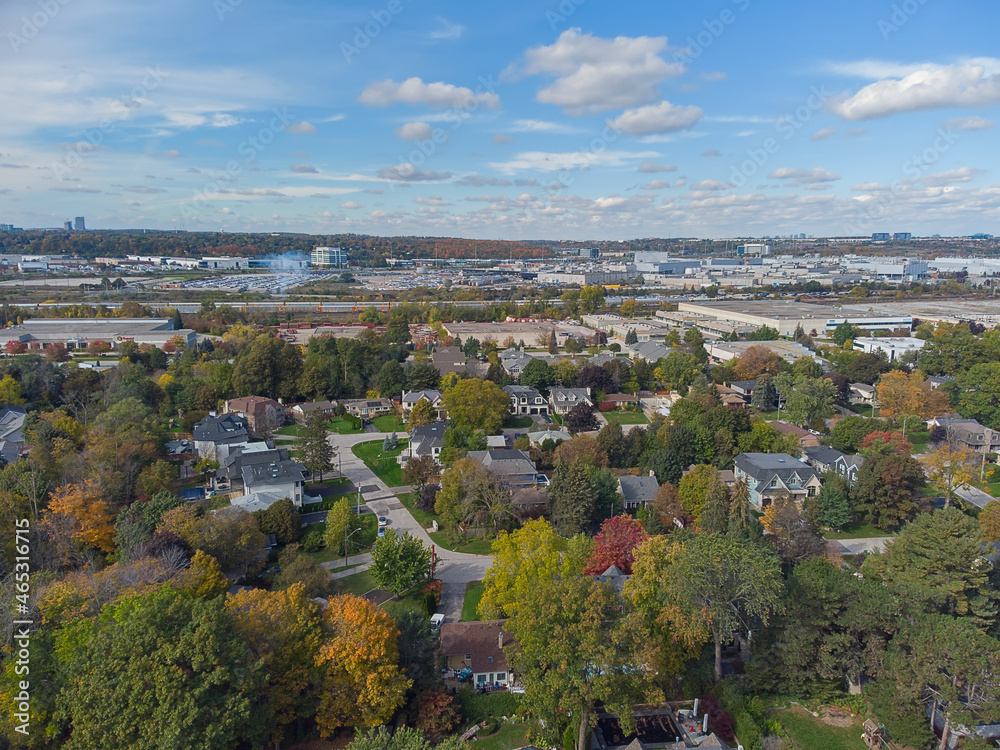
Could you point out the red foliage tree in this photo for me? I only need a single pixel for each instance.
(15, 347)
(615, 545)
(877, 442)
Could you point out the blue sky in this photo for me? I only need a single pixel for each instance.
(580, 119)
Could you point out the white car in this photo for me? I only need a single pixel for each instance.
(541, 480)
(383, 521)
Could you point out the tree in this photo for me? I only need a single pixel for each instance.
(900, 395)
(416, 648)
(764, 333)
(764, 396)
(298, 569)
(678, 371)
(10, 391)
(538, 374)
(631, 337)
(807, 400)
(832, 507)
(230, 535)
(581, 449)
(989, 517)
(742, 522)
(391, 379)
(316, 449)
(477, 404)
(611, 439)
(156, 670)
(581, 418)
(420, 469)
(877, 443)
(92, 519)
(843, 333)
(281, 519)
(807, 367)
(756, 361)
(422, 376)
(361, 684)
(950, 469)
(849, 432)
(886, 491)
(571, 497)
(592, 298)
(422, 413)
(793, 538)
(282, 632)
(936, 561)
(399, 562)
(714, 517)
(615, 545)
(342, 522)
(694, 487)
(710, 587)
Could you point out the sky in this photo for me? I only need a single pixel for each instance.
(579, 119)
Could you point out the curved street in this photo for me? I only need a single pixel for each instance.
(454, 569)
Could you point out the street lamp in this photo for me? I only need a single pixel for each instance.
(346, 537)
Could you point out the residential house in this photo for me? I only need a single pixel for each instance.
(615, 577)
(768, 475)
(659, 402)
(11, 438)
(806, 438)
(822, 457)
(449, 359)
(651, 351)
(434, 398)
(637, 492)
(969, 434)
(263, 415)
(619, 401)
(514, 361)
(556, 436)
(529, 502)
(729, 397)
(256, 467)
(426, 440)
(513, 467)
(215, 436)
(366, 408)
(477, 648)
(302, 412)
(863, 394)
(562, 400)
(743, 388)
(849, 467)
(526, 401)
(497, 441)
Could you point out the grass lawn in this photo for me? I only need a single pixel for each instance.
(507, 737)
(626, 417)
(472, 545)
(295, 430)
(422, 516)
(384, 465)
(518, 423)
(359, 542)
(919, 440)
(993, 488)
(342, 426)
(808, 731)
(389, 423)
(357, 584)
(858, 531)
(473, 593)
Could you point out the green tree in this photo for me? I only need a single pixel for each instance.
(807, 400)
(421, 414)
(316, 449)
(475, 404)
(843, 333)
(341, 523)
(742, 522)
(886, 491)
(399, 562)
(937, 561)
(297, 568)
(764, 396)
(832, 506)
(539, 375)
(592, 298)
(694, 487)
(631, 337)
(391, 379)
(714, 517)
(155, 671)
(281, 519)
(571, 497)
(807, 367)
(764, 333)
(420, 469)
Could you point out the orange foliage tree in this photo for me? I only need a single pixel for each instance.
(615, 545)
(94, 520)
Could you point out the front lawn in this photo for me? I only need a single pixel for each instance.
(473, 593)
(518, 423)
(389, 423)
(357, 584)
(919, 440)
(858, 531)
(472, 545)
(295, 430)
(342, 427)
(422, 517)
(808, 731)
(385, 465)
(625, 417)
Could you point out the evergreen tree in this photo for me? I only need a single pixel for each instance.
(317, 452)
(763, 396)
(832, 507)
(571, 498)
(742, 522)
(631, 337)
(799, 332)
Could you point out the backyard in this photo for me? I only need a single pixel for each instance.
(814, 733)
(625, 417)
(385, 465)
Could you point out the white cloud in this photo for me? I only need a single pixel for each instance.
(414, 91)
(964, 85)
(649, 167)
(968, 124)
(409, 173)
(434, 200)
(415, 131)
(822, 135)
(942, 179)
(222, 120)
(595, 75)
(711, 185)
(305, 169)
(543, 161)
(656, 185)
(351, 204)
(656, 118)
(448, 32)
(475, 180)
(803, 176)
(301, 128)
(541, 126)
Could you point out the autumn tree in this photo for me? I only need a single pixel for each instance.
(900, 396)
(85, 504)
(475, 404)
(951, 469)
(581, 449)
(694, 487)
(420, 469)
(360, 681)
(422, 413)
(581, 418)
(885, 493)
(295, 567)
(989, 517)
(230, 535)
(615, 545)
(756, 361)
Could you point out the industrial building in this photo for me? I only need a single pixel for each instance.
(786, 316)
(329, 257)
(77, 333)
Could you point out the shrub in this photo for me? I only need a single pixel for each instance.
(428, 494)
(436, 712)
(313, 541)
(748, 732)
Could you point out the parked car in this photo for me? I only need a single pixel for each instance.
(541, 480)
(383, 521)
(381, 531)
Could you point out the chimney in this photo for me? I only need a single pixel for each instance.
(704, 725)
(500, 640)
(652, 473)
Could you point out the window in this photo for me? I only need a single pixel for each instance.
(501, 677)
(468, 657)
(490, 659)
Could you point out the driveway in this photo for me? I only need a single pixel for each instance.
(454, 569)
(860, 546)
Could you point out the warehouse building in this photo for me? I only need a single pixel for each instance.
(786, 316)
(77, 333)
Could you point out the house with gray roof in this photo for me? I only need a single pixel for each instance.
(823, 458)
(433, 397)
(511, 466)
(11, 438)
(651, 351)
(526, 401)
(216, 435)
(514, 361)
(257, 467)
(769, 475)
(562, 400)
(637, 492)
(426, 440)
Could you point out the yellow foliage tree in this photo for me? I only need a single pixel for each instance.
(951, 469)
(989, 517)
(204, 578)
(94, 520)
(901, 395)
(361, 683)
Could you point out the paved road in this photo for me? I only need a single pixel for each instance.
(454, 569)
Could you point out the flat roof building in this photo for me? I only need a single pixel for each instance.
(76, 333)
(786, 316)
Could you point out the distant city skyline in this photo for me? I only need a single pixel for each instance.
(572, 119)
